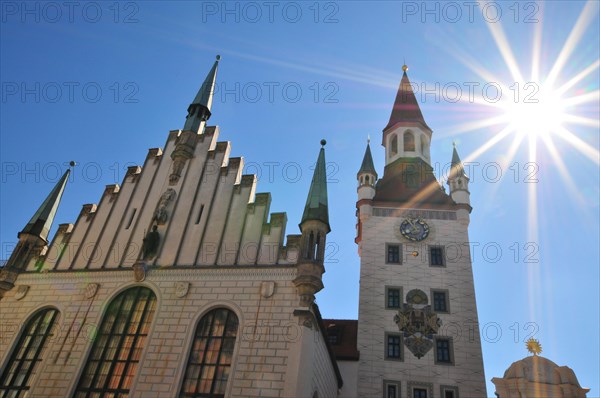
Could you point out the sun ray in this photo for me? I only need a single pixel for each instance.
(536, 48)
(505, 161)
(502, 43)
(489, 144)
(581, 120)
(472, 126)
(562, 170)
(582, 99)
(577, 143)
(578, 77)
(532, 235)
(587, 15)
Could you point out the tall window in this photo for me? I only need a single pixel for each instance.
(393, 254)
(409, 142)
(443, 351)
(15, 378)
(118, 346)
(392, 297)
(436, 256)
(440, 300)
(393, 347)
(209, 364)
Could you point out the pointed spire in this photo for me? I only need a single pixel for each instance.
(316, 204)
(41, 222)
(406, 108)
(456, 167)
(199, 109)
(367, 163)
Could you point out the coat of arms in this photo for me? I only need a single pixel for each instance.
(418, 323)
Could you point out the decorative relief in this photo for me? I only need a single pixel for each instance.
(21, 291)
(181, 289)
(161, 215)
(90, 290)
(267, 289)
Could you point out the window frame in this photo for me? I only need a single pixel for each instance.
(386, 298)
(444, 388)
(145, 322)
(387, 335)
(412, 385)
(387, 253)
(446, 299)
(202, 363)
(443, 255)
(387, 383)
(31, 329)
(436, 360)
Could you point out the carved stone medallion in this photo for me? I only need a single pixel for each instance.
(21, 291)
(181, 289)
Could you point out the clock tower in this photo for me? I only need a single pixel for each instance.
(417, 326)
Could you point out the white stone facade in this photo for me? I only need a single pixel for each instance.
(375, 320)
(269, 333)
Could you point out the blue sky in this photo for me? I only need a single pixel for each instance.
(103, 82)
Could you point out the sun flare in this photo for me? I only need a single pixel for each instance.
(539, 115)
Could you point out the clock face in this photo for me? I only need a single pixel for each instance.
(414, 229)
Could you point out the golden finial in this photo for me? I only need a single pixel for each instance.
(404, 67)
(533, 346)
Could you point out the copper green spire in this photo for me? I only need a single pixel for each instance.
(367, 163)
(199, 109)
(456, 167)
(316, 203)
(41, 222)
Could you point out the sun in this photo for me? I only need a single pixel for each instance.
(539, 114)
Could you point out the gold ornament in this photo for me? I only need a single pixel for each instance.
(533, 346)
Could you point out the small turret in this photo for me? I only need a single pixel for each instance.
(458, 181)
(314, 227)
(33, 238)
(367, 178)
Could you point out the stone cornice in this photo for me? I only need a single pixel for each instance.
(167, 273)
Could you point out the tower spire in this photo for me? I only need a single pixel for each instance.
(199, 109)
(41, 222)
(316, 207)
(456, 166)
(406, 108)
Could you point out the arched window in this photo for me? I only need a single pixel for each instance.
(394, 145)
(409, 142)
(118, 346)
(424, 145)
(209, 365)
(16, 376)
